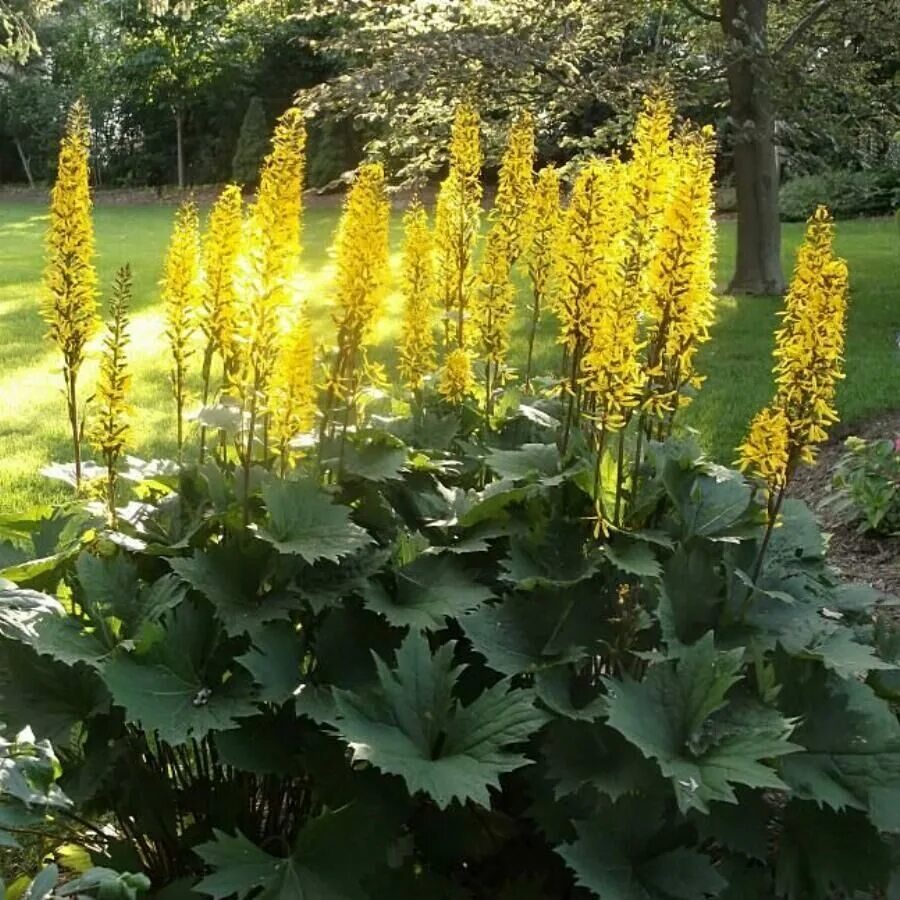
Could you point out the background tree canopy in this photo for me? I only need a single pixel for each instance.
(795, 88)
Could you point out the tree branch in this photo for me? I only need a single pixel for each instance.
(692, 7)
(802, 27)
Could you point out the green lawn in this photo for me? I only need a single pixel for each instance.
(737, 360)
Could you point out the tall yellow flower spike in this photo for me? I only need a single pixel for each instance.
(361, 261)
(809, 356)
(515, 185)
(181, 297)
(457, 222)
(69, 306)
(293, 391)
(110, 432)
(272, 256)
(417, 356)
(494, 300)
(221, 251)
(456, 381)
(542, 238)
(680, 294)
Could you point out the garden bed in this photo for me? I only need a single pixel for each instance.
(858, 557)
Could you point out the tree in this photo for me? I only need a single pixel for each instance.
(252, 146)
(581, 64)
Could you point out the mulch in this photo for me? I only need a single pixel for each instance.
(857, 557)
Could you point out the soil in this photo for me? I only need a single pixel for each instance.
(857, 557)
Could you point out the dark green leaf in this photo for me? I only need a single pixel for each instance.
(304, 522)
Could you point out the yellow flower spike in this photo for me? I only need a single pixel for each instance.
(69, 305)
(680, 287)
(457, 222)
(417, 352)
(515, 185)
(766, 452)
(272, 257)
(456, 381)
(361, 260)
(110, 433)
(181, 297)
(542, 239)
(809, 353)
(293, 390)
(221, 251)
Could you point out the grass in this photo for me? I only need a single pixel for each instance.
(736, 361)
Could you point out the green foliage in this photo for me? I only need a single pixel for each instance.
(869, 192)
(252, 145)
(431, 678)
(866, 485)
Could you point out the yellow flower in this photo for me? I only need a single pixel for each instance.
(493, 308)
(417, 357)
(361, 260)
(680, 292)
(766, 452)
(515, 185)
(541, 240)
(181, 296)
(466, 158)
(809, 356)
(457, 381)
(272, 255)
(110, 432)
(809, 352)
(590, 249)
(221, 250)
(292, 397)
(69, 306)
(457, 221)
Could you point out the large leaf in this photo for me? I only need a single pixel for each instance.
(539, 630)
(275, 662)
(426, 592)
(851, 750)
(173, 688)
(713, 505)
(330, 857)
(22, 610)
(680, 717)
(827, 854)
(304, 522)
(415, 728)
(230, 582)
(619, 855)
(526, 463)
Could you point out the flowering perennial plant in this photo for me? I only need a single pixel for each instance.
(181, 289)
(69, 305)
(417, 357)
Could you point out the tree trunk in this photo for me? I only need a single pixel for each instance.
(26, 163)
(179, 140)
(758, 269)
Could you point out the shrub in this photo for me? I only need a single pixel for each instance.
(470, 640)
(866, 484)
(252, 145)
(846, 193)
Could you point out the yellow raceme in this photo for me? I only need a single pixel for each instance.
(221, 252)
(181, 288)
(457, 222)
(110, 431)
(457, 382)
(417, 346)
(293, 389)
(680, 298)
(271, 257)
(70, 282)
(809, 356)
